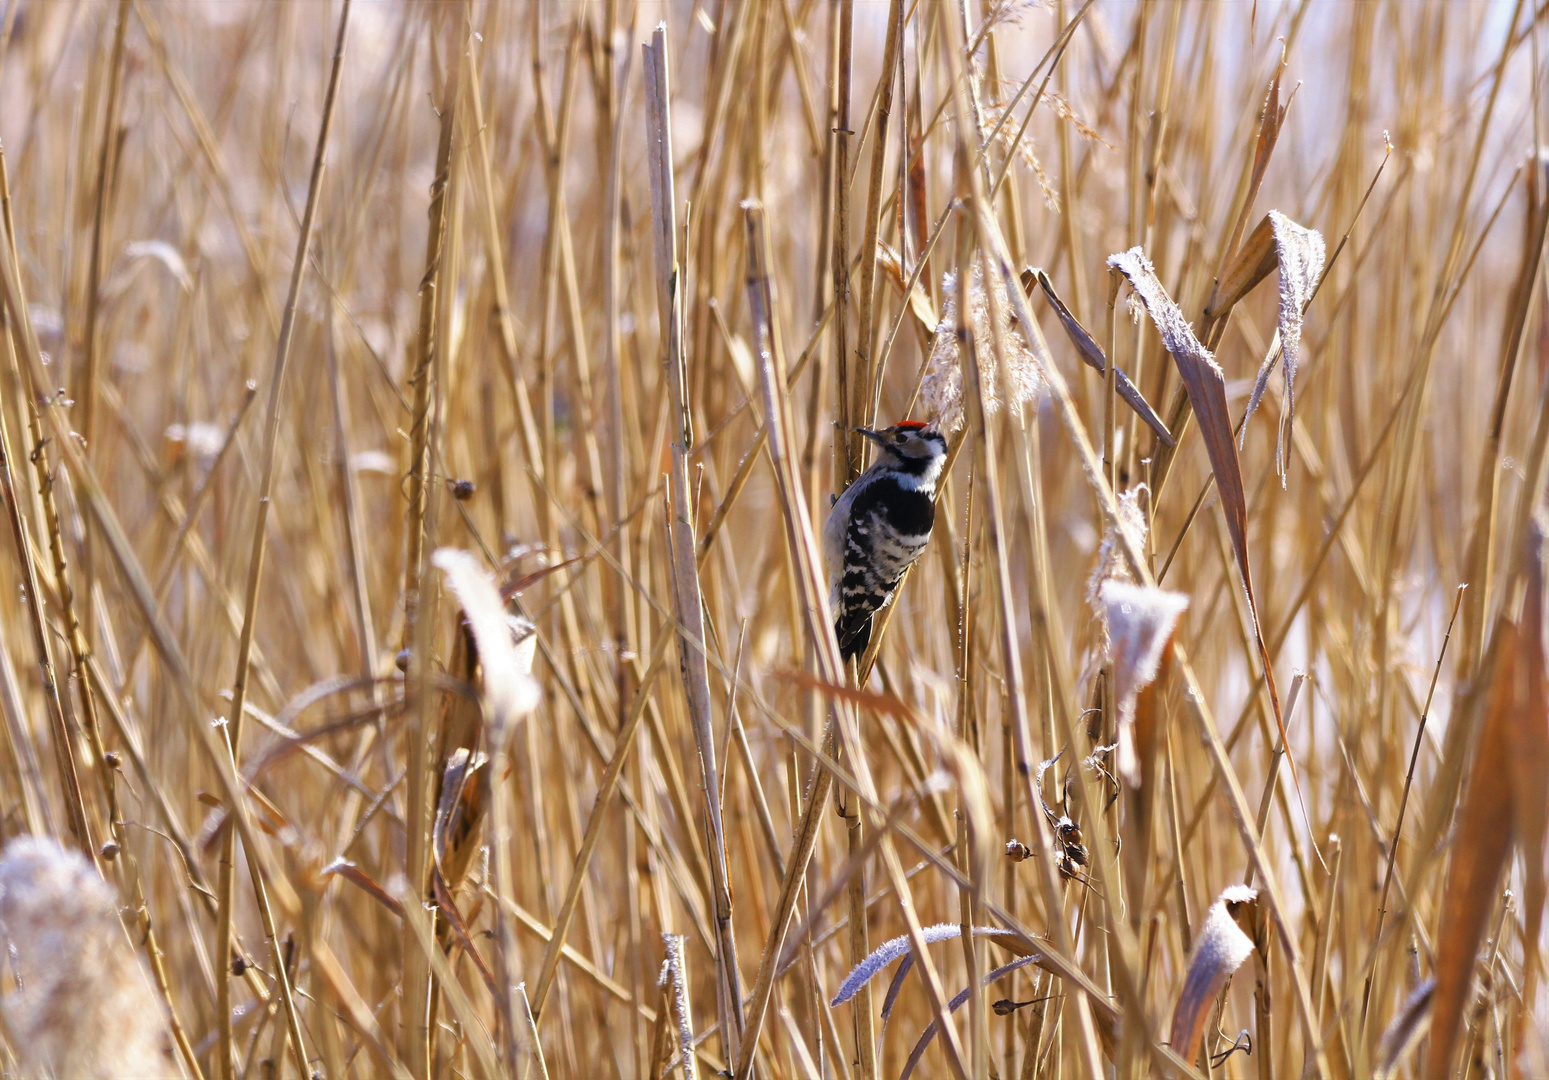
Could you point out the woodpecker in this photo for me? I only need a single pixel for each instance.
(879, 526)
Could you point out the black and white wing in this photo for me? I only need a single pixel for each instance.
(888, 526)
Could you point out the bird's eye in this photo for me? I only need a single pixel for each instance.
(899, 437)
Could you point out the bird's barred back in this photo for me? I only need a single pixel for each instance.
(889, 527)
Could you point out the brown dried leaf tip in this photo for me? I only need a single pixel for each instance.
(1011, 387)
(74, 972)
(1221, 950)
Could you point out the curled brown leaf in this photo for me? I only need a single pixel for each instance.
(1221, 949)
(1300, 253)
(1140, 621)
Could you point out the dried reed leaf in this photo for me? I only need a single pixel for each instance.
(1147, 724)
(1140, 621)
(920, 305)
(893, 948)
(1486, 829)
(1529, 740)
(1251, 265)
(1505, 802)
(1271, 120)
(159, 251)
(365, 882)
(453, 927)
(1405, 1030)
(952, 1006)
(516, 586)
(1300, 254)
(1250, 262)
(914, 219)
(1206, 387)
(461, 723)
(1092, 355)
(1087, 348)
(509, 690)
(1221, 949)
(460, 809)
(82, 1006)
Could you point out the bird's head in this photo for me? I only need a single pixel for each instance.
(909, 443)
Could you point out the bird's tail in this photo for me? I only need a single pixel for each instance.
(854, 635)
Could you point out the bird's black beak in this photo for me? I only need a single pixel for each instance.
(874, 436)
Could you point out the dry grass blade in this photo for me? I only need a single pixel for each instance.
(1504, 795)
(687, 596)
(1300, 254)
(674, 979)
(1271, 121)
(1529, 740)
(1405, 1030)
(530, 1032)
(1091, 354)
(896, 948)
(1252, 263)
(364, 881)
(513, 341)
(1403, 804)
(1482, 543)
(1206, 386)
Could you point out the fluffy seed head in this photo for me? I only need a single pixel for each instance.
(1110, 553)
(1014, 385)
(74, 972)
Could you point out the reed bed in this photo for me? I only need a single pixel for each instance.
(416, 421)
